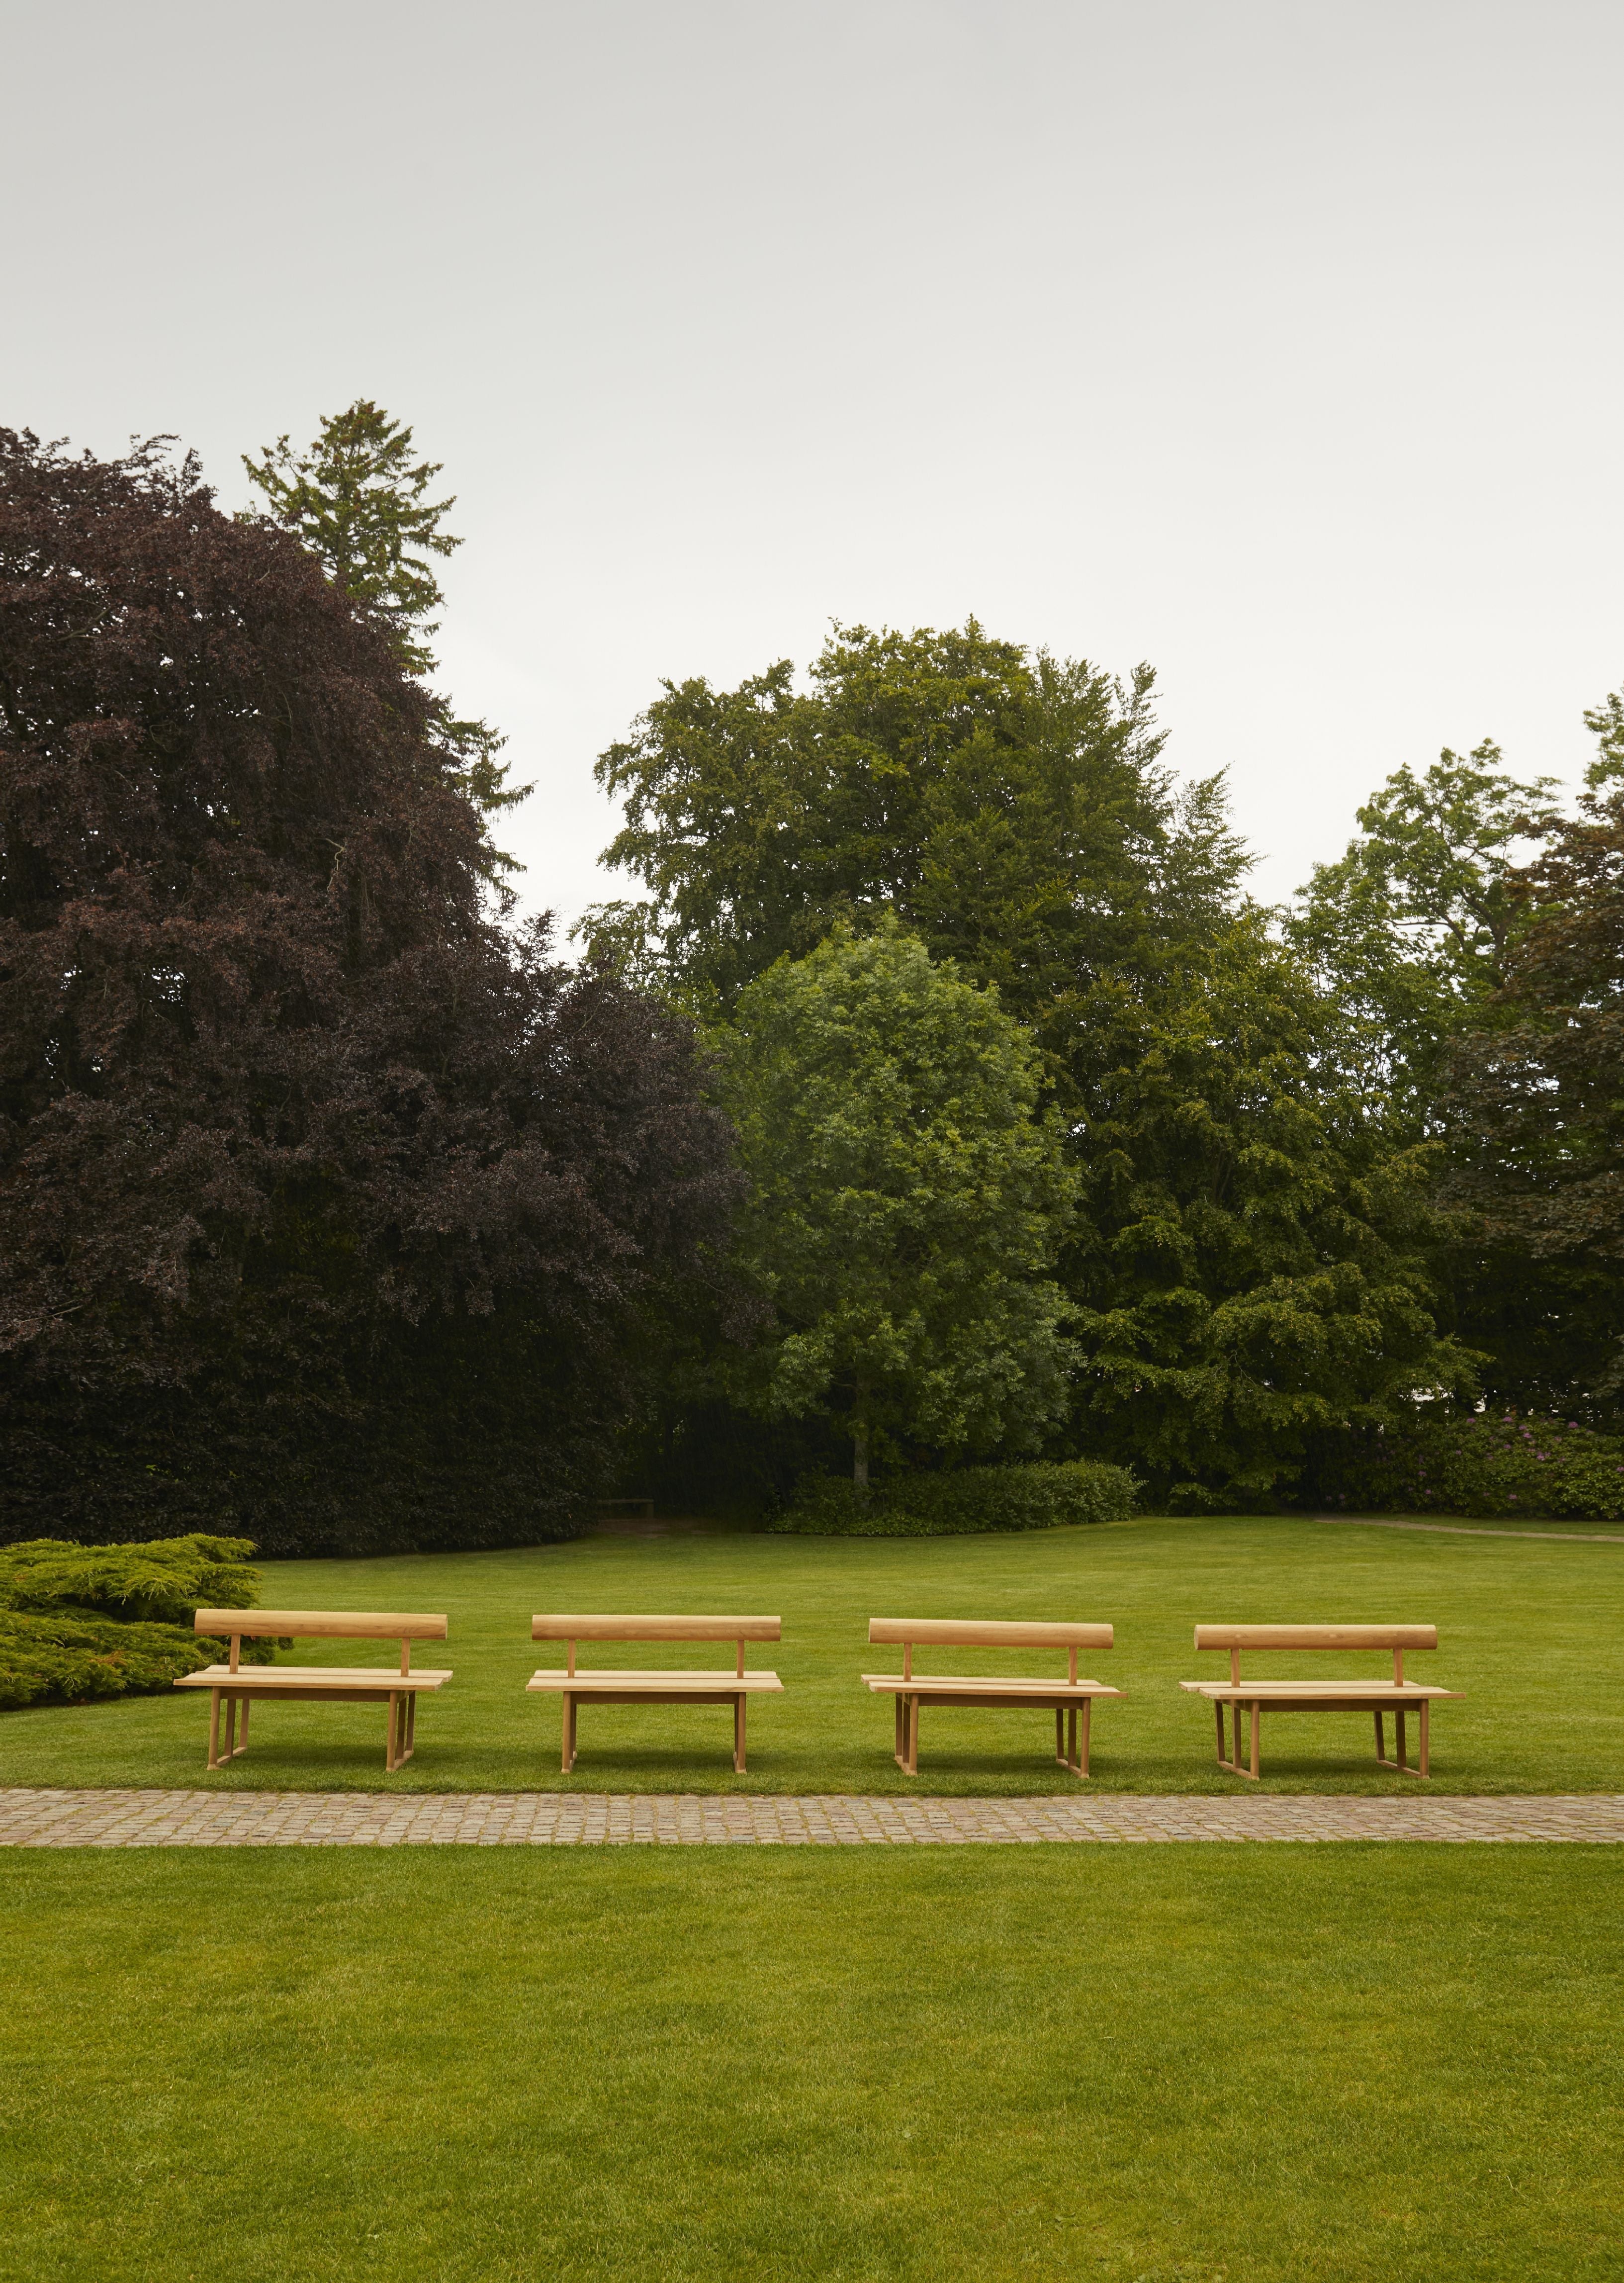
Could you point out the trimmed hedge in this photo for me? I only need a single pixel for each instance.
(1539, 1466)
(1045, 1495)
(81, 1623)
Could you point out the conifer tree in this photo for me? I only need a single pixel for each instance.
(361, 502)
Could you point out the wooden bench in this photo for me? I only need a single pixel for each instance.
(1397, 1695)
(1068, 1697)
(236, 1684)
(606, 1688)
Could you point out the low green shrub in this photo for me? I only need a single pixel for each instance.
(82, 1622)
(162, 1580)
(1535, 1465)
(1045, 1495)
(75, 1660)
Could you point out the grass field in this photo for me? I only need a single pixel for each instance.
(1147, 2065)
(1532, 1632)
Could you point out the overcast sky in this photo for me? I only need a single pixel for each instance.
(1277, 344)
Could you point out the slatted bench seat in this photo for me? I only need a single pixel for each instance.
(1068, 1698)
(236, 1684)
(1398, 1695)
(606, 1688)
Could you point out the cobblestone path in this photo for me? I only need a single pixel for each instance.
(197, 1818)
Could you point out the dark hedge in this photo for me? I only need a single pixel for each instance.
(1044, 1495)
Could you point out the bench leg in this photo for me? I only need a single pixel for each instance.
(243, 1746)
(411, 1724)
(1077, 1758)
(1381, 1743)
(738, 1703)
(1425, 1769)
(1398, 1722)
(390, 1761)
(213, 1727)
(912, 1763)
(900, 1754)
(230, 1750)
(1062, 1757)
(1236, 1765)
(569, 1732)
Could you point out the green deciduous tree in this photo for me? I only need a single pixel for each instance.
(1409, 932)
(907, 1199)
(1250, 1259)
(358, 501)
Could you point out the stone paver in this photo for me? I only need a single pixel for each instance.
(200, 1819)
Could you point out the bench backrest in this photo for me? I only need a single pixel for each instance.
(1396, 1638)
(312, 1624)
(737, 1629)
(988, 1632)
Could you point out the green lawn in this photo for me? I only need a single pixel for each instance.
(1266, 2065)
(1532, 1632)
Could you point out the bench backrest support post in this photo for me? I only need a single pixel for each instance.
(570, 1667)
(1234, 1667)
(907, 1660)
(739, 1664)
(236, 1651)
(405, 1655)
(1071, 1668)
(1398, 1668)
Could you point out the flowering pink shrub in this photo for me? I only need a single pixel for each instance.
(1488, 1463)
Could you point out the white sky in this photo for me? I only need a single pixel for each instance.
(1276, 342)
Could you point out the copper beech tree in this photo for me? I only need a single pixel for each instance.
(329, 1207)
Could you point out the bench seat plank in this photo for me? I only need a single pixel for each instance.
(312, 1679)
(971, 1686)
(1323, 1693)
(720, 1687)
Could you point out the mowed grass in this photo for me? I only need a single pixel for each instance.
(1532, 1632)
(1143, 2064)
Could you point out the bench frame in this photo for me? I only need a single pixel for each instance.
(234, 1684)
(1071, 1699)
(654, 1687)
(1398, 1696)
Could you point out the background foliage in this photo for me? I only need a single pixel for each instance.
(336, 1209)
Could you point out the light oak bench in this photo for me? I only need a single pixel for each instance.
(1397, 1695)
(1068, 1698)
(236, 1684)
(605, 1687)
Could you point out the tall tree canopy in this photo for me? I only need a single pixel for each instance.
(907, 1199)
(1535, 1111)
(1246, 1268)
(325, 1204)
(1011, 811)
(1252, 1261)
